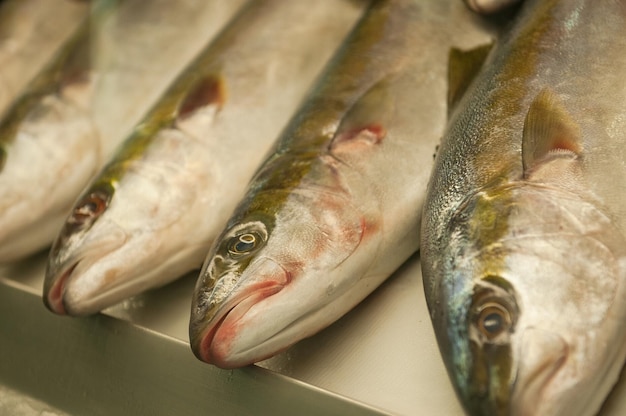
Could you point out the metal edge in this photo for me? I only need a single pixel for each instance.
(101, 365)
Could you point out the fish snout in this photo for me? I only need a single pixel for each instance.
(226, 337)
(73, 277)
(53, 297)
(541, 355)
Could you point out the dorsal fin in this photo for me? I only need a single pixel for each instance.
(364, 123)
(548, 128)
(463, 66)
(207, 91)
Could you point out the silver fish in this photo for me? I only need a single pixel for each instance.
(152, 213)
(61, 130)
(48, 122)
(334, 210)
(523, 248)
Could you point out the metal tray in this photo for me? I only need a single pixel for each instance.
(380, 359)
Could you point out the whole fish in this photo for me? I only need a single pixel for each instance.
(52, 139)
(331, 213)
(152, 213)
(29, 38)
(523, 248)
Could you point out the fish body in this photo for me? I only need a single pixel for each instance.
(152, 213)
(523, 250)
(58, 133)
(29, 38)
(333, 210)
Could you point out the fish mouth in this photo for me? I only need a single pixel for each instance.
(54, 300)
(214, 347)
(215, 343)
(65, 289)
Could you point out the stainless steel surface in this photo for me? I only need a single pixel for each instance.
(380, 359)
(15, 403)
(102, 365)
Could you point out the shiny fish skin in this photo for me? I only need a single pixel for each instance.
(29, 39)
(61, 130)
(165, 195)
(523, 248)
(333, 211)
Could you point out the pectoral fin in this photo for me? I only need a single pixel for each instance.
(364, 124)
(489, 6)
(208, 91)
(197, 110)
(548, 130)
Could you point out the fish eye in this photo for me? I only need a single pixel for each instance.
(244, 243)
(90, 207)
(493, 319)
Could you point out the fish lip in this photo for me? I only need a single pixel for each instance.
(213, 342)
(211, 345)
(54, 298)
(65, 270)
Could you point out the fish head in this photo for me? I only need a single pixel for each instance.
(531, 315)
(276, 275)
(126, 235)
(72, 247)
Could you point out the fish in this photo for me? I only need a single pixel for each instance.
(333, 210)
(64, 125)
(152, 213)
(36, 176)
(29, 39)
(523, 250)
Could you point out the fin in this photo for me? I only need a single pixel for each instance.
(76, 74)
(206, 92)
(78, 59)
(364, 123)
(548, 128)
(489, 6)
(77, 67)
(66, 67)
(463, 66)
